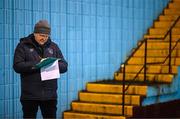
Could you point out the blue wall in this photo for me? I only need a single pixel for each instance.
(95, 37)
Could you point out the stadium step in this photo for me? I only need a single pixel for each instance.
(168, 17)
(156, 69)
(171, 12)
(174, 37)
(109, 98)
(157, 53)
(165, 24)
(154, 78)
(174, 6)
(163, 31)
(115, 87)
(101, 108)
(78, 115)
(155, 60)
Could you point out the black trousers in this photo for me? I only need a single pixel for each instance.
(30, 108)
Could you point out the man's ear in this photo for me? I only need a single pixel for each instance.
(35, 34)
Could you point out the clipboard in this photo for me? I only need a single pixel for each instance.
(46, 62)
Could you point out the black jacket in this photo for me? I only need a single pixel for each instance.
(27, 54)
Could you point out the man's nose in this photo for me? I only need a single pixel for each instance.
(43, 38)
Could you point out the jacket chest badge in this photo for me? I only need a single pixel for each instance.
(31, 49)
(50, 51)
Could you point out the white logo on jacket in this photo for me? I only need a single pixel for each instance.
(50, 51)
(31, 49)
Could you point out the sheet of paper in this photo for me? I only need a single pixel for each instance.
(50, 71)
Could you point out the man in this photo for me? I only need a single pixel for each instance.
(34, 92)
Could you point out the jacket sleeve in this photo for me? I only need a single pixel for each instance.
(20, 64)
(63, 65)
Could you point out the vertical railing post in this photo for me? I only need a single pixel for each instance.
(123, 95)
(123, 89)
(145, 59)
(170, 45)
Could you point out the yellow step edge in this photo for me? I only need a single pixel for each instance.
(157, 53)
(174, 37)
(159, 45)
(173, 6)
(109, 88)
(157, 31)
(171, 12)
(109, 98)
(102, 108)
(153, 36)
(140, 60)
(162, 24)
(176, 1)
(162, 78)
(151, 69)
(165, 24)
(76, 115)
(163, 31)
(167, 18)
(166, 40)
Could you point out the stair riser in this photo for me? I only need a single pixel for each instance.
(159, 45)
(157, 53)
(174, 6)
(162, 37)
(171, 12)
(69, 115)
(167, 18)
(162, 24)
(153, 31)
(140, 77)
(102, 108)
(140, 60)
(176, 1)
(109, 98)
(167, 24)
(102, 88)
(150, 69)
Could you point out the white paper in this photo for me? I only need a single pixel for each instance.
(50, 71)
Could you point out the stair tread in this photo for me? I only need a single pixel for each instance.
(166, 65)
(153, 36)
(102, 108)
(148, 73)
(134, 83)
(167, 18)
(154, 57)
(106, 93)
(158, 40)
(93, 114)
(100, 103)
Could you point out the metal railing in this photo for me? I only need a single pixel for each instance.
(145, 42)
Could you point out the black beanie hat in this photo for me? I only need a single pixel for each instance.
(43, 27)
